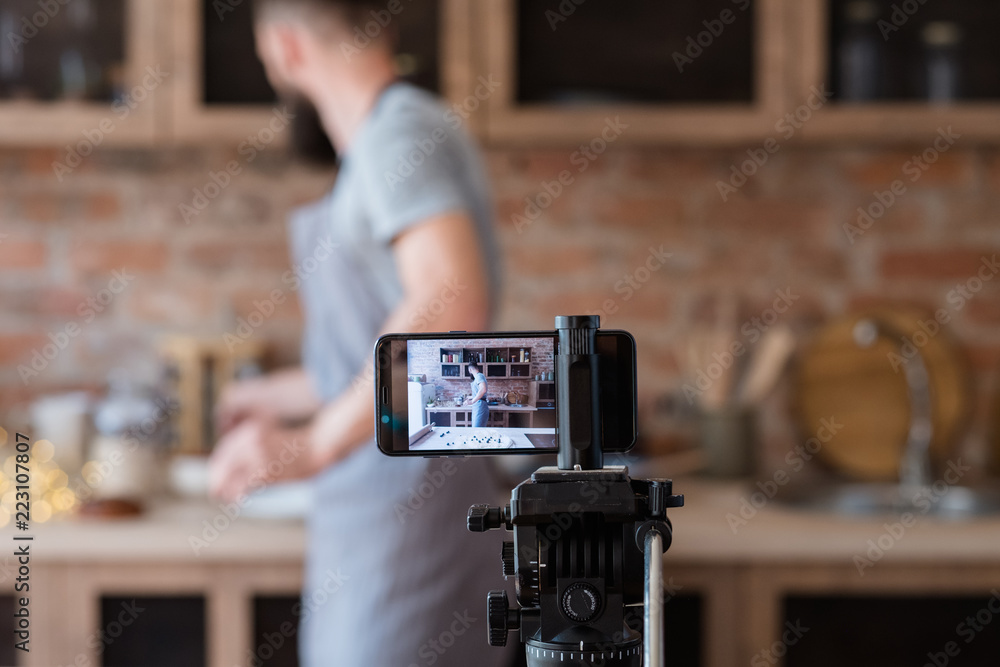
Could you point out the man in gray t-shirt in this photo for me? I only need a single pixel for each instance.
(393, 579)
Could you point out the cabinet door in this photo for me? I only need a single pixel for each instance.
(894, 47)
(81, 75)
(440, 418)
(213, 102)
(707, 72)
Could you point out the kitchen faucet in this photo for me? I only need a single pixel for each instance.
(914, 467)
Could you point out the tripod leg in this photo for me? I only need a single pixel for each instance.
(652, 631)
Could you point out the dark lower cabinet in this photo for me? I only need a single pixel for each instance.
(147, 631)
(275, 632)
(8, 654)
(833, 631)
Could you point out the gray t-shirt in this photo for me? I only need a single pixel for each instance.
(410, 580)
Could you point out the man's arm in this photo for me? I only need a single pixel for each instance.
(438, 259)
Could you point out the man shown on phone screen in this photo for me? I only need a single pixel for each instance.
(410, 581)
(480, 406)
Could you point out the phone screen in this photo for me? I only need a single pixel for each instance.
(441, 394)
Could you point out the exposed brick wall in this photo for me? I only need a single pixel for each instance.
(784, 229)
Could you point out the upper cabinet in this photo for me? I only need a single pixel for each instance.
(81, 73)
(899, 70)
(221, 90)
(701, 72)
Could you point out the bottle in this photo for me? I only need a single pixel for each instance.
(859, 54)
(942, 42)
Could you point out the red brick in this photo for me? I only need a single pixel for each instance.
(22, 254)
(544, 260)
(16, 348)
(41, 207)
(102, 206)
(984, 309)
(39, 161)
(666, 168)
(246, 301)
(103, 257)
(984, 358)
(648, 210)
(762, 216)
(950, 264)
(224, 255)
(171, 302)
(881, 169)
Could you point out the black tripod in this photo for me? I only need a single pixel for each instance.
(588, 540)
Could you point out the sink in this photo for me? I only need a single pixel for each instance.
(955, 502)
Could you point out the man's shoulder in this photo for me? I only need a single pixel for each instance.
(410, 113)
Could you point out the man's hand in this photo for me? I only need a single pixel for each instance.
(257, 453)
(284, 395)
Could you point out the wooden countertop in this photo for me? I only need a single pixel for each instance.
(466, 408)
(705, 533)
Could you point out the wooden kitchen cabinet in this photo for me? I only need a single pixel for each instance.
(208, 105)
(86, 97)
(900, 113)
(569, 72)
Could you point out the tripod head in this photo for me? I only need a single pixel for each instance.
(580, 531)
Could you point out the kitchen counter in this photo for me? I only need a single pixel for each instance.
(704, 531)
(499, 408)
(442, 437)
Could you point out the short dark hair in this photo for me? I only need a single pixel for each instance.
(354, 12)
(474, 365)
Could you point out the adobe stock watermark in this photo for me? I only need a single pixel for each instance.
(433, 649)
(122, 108)
(264, 309)
(285, 633)
(364, 35)
(635, 280)
(93, 474)
(455, 117)
(913, 169)
(902, 12)
(920, 505)
(100, 640)
(967, 630)
(697, 44)
(562, 12)
(772, 655)
(795, 460)
(752, 330)
(87, 311)
(212, 529)
(582, 158)
(32, 25)
(422, 493)
(956, 300)
(248, 149)
(786, 127)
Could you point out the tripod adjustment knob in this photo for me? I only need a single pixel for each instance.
(484, 517)
(507, 555)
(498, 617)
(581, 602)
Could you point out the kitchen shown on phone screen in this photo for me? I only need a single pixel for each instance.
(483, 393)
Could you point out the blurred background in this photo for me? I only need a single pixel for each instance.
(792, 205)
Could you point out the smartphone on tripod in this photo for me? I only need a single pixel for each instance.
(425, 384)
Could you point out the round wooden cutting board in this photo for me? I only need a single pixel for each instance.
(860, 389)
